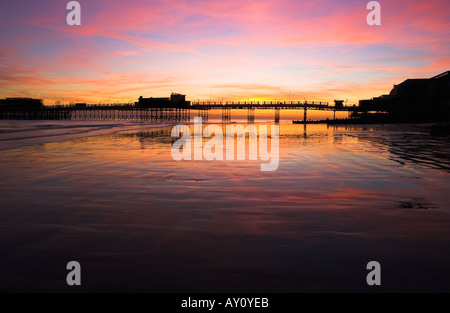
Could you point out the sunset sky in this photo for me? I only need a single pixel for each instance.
(223, 49)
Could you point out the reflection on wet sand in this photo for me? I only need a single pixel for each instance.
(137, 220)
(407, 143)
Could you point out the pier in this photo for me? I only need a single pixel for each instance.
(99, 113)
(251, 106)
(129, 112)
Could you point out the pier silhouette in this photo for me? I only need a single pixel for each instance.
(168, 112)
(414, 100)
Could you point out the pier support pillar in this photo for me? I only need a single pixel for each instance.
(277, 115)
(226, 115)
(203, 113)
(251, 115)
(304, 115)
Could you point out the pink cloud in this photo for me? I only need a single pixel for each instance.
(267, 47)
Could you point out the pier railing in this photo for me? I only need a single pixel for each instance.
(128, 111)
(260, 103)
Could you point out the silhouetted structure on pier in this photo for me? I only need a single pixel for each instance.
(21, 104)
(339, 103)
(175, 101)
(175, 108)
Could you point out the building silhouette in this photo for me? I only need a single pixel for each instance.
(175, 101)
(21, 104)
(413, 100)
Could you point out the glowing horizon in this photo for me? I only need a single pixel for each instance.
(218, 50)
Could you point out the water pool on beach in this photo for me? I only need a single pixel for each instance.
(137, 220)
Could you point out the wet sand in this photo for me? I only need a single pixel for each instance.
(138, 221)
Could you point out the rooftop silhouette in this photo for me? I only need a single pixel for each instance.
(413, 100)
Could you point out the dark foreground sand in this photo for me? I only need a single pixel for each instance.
(138, 221)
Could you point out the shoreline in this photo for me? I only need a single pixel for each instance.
(16, 134)
(52, 131)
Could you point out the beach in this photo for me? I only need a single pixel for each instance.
(110, 196)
